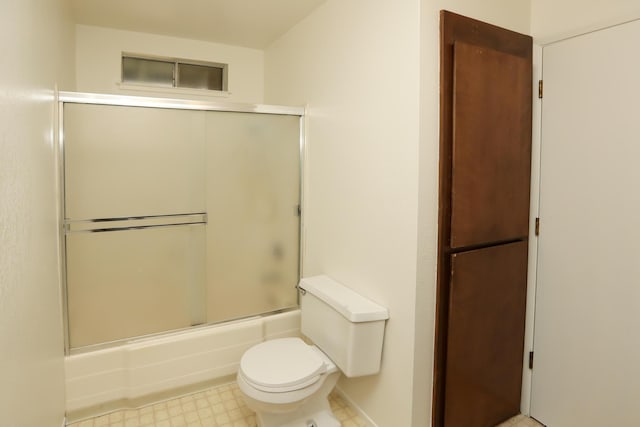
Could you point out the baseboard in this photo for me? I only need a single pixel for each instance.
(356, 408)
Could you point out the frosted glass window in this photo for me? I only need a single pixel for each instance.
(200, 77)
(172, 72)
(147, 71)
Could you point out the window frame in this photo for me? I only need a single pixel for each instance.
(176, 74)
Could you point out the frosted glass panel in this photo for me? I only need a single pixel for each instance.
(147, 71)
(253, 190)
(129, 283)
(200, 77)
(232, 180)
(132, 161)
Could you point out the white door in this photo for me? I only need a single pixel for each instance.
(587, 327)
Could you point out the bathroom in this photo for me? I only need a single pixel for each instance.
(367, 73)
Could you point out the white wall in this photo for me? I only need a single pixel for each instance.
(99, 51)
(511, 14)
(356, 64)
(552, 20)
(36, 41)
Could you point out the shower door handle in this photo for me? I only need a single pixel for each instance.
(102, 225)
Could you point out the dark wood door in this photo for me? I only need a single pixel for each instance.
(491, 146)
(486, 333)
(485, 149)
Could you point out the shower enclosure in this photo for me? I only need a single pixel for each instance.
(176, 214)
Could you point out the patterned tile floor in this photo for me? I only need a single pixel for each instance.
(223, 406)
(220, 406)
(520, 421)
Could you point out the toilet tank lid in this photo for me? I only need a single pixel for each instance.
(347, 302)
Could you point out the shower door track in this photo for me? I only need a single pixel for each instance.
(177, 104)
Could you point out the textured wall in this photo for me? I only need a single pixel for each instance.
(36, 41)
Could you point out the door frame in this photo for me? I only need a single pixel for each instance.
(534, 212)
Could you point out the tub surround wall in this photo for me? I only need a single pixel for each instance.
(109, 378)
(36, 41)
(98, 63)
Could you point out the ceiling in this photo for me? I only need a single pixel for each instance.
(249, 23)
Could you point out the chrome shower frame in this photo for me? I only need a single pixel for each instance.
(166, 103)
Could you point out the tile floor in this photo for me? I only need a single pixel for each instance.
(220, 406)
(520, 421)
(223, 406)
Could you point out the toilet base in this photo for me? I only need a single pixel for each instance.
(318, 419)
(313, 411)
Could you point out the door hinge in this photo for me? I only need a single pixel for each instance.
(531, 360)
(537, 227)
(540, 89)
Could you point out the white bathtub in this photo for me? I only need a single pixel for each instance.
(151, 366)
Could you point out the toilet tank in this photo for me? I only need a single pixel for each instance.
(346, 326)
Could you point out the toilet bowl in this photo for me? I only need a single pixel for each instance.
(287, 381)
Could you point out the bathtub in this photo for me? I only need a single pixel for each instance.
(117, 377)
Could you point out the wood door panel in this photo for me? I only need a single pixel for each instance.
(491, 159)
(468, 204)
(486, 335)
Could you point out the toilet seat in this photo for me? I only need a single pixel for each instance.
(282, 365)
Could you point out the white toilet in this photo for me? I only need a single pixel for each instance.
(287, 381)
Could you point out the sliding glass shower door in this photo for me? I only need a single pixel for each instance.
(253, 201)
(177, 217)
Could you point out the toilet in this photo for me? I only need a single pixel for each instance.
(287, 381)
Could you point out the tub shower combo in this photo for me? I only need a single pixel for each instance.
(176, 215)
